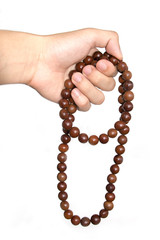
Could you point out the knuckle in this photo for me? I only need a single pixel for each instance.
(115, 34)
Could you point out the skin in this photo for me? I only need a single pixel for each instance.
(43, 63)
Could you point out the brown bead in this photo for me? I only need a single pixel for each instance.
(121, 109)
(64, 114)
(126, 75)
(107, 55)
(110, 187)
(61, 167)
(75, 220)
(93, 63)
(121, 89)
(111, 178)
(126, 117)
(93, 140)
(65, 131)
(62, 157)
(118, 159)
(61, 177)
(85, 221)
(88, 60)
(120, 149)
(95, 219)
(103, 213)
(72, 108)
(63, 103)
(114, 60)
(104, 57)
(108, 205)
(68, 84)
(97, 55)
(66, 93)
(122, 139)
(128, 96)
(120, 99)
(62, 186)
(114, 168)
(63, 147)
(65, 138)
(121, 80)
(67, 124)
(128, 85)
(125, 130)
(103, 138)
(71, 73)
(83, 138)
(64, 205)
(119, 125)
(110, 197)
(62, 196)
(112, 133)
(74, 132)
(122, 66)
(71, 117)
(71, 100)
(68, 214)
(80, 66)
(128, 106)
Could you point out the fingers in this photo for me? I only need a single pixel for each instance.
(81, 100)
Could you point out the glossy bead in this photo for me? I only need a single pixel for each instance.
(121, 89)
(103, 213)
(71, 117)
(93, 63)
(72, 108)
(119, 125)
(103, 138)
(128, 85)
(114, 60)
(66, 93)
(65, 138)
(121, 109)
(107, 55)
(122, 66)
(71, 73)
(111, 178)
(63, 114)
(68, 214)
(120, 99)
(125, 130)
(74, 132)
(63, 103)
(121, 80)
(88, 60)
(122, 139)
(83, 138)
(110, 197)
(80, 66)
(61, 167)
(128, 96)
(128, 106)
(126, 75)
(63, 147)
(108, 205)
(95, 219)
(118, 159)
(97, 55)
(67, 124)
(120, 149)
(68, 84)
(126, 117)
(110, 187)
(62, 196)
(104, 57)
(64, 205)
(62, 186)
(61, 177)
(85, 221)
(112, 133)
(93, 140)
(114, 168)
(62, 157)
(75, 220)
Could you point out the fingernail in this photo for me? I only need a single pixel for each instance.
(77, 77)
(102, 66)
(76, 92)
(87, 70)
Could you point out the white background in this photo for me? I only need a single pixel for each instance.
(30, 131)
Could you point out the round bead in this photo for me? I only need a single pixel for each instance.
(125, 130)
(85, 221)
(65, 131)
(128, 106)
(126, 75)
(120, 99)
(62, 196)
(108, 205)
(111, 178)
(121, 89)
(121, 109)
(72, 108)
(71, 100)
(71, 117)
(110, 197)
(97, 55)
(61, 177)
(80, 66)
(93, 140)
(61, 167)
(122, 139)
(66, 93)
(121, 80)
(68, 84)
(103, 213)
(65, 138)
(126, 117)
(93, 63)
(64, 205)
(128, 85)
(107, 55)
(74, 132)
(114, 60)
(112, 133)
(63, 147)
(114, 168)
(119, 125)
(71, 73)
(64, 114)
(67, 124)
(83, 138)
(128, 96)
(118, 159)
(120, 149)
(88, 60)
(63, 103)
(75, 220)
(95, 219)
(62, 157)
(104, 57)
(122, 66)
(103, 138)
(62, 186)
(110, 187)
(68, 214)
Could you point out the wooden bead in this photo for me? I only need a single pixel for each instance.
(71, 73)
(95, 219)
(126, 75)
(65, 138)
(61, 177)
(62, 157)
(121, 80)
(67, 124)
(119, 125)
(64, 205)
(120, 99)
(114, 168)
(103, 138)
(64, 114)
(65, 131)
(112, 133)
(63, 103)
(108, 205)
(110, 187)
(68, 84)
(68, 214)
(66, 93)
(107, 55)
(121, 109)
(61, 167)
(72, 108)
(62, 196)
(125, 130)
(128, 96)
(127, 106)
(71, 117)
(114, 60)
(80, 66)
(83, 138)
(88, 60)
(126, 117)
(85, 221)
(121, 89)
(103, 213)
(74, 132)
(93, 140)
(120, 149)
(75, 220)
(122, 66)
(93, 63)
(62, 186)
(63, 147)
(97, 55)
(122, 139)
(111, 178)
(118, 159)
(128, 85)
(110, 197)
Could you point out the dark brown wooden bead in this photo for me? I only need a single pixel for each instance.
(63, 103)
(125, 130)
(128, 85)
(63, 114)
(114, 168)
(61, 167)
(121, 89)
(65, 138)
(103, 213)
(120, 99)
(68, 214)
(62, 196)
(97, 55)
(68, 84)
(108, 205)
(71, 100)
(121, 80)
(85, 221)
(110, 187)
(65, 131)
(67, 124)
(83, 138)
(119, 125)
(127, 106)
(71, 117)
(112, 133)
(93, 140)
(64, 205)
(71, 73)
(63, 147)
(110, 197)
(75, 220)
(74, 132)
(126, 117)
(122, 139)
(128, 96)
(103, 138)
(80, 66)
(72, 108)
(62, 177)
(122, 66)
(66, 93)
(62, 186)
(104, 57)
(62, 157)
(126, 75)
(120, 149)
(88, 60)
(121, 109)
(107, 55)
(93, 63)
(95, 219)
(118, 159)
(114, 60)
(111, 178)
